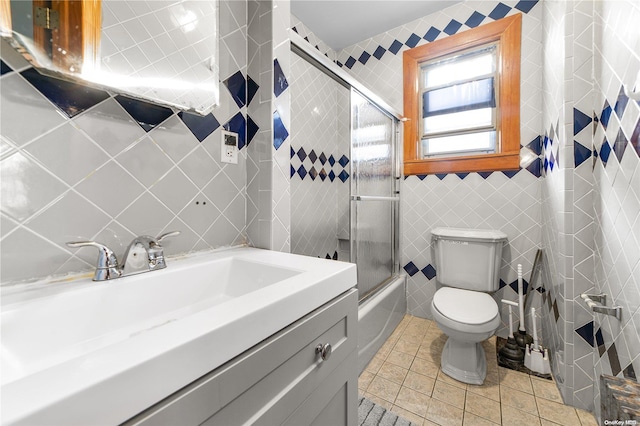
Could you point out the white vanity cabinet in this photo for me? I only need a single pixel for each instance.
(282, 380)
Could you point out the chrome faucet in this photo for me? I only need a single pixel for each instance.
(144, 254)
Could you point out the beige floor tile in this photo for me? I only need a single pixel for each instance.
(450, 380)
(412, 337)
(448, 393)
(407, 347)
(473, 420)
(400, 358)
(386, 349)
(558, 413)
(408, 415)
(515, 380)
(444, 414)
(419, 382)
(546, 389)
(425, 367)
(487, 389)
(375, 364)
(492, 376)
(392, 372)
(430, 352)
(513, 416)
(381, 402)
(517, 399)
(586, 418)
(546, 422)
(413, 401)
(365, 379)
(483, 407)
(383, 388)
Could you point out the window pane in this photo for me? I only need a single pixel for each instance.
(483, 142)
(458, 121)
(460, 97)
(459, 68)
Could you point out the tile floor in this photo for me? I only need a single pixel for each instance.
(405, 377)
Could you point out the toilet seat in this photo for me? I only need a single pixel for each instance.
(465, 310)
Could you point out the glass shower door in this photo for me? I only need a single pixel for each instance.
(374, 201)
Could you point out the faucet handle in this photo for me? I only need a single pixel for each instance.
(107, 264)
(165, 235)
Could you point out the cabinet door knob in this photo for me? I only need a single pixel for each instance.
(324, 350)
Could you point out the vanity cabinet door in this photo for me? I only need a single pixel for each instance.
(282, 380)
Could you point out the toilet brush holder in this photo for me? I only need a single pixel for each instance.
(537, 359)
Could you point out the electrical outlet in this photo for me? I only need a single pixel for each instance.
(229, 147)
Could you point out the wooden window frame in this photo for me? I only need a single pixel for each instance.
(507, 32)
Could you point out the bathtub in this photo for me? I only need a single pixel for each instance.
(378, 315)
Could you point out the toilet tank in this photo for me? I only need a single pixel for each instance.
(468, 258)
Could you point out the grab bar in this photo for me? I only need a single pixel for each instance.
(591, 299)
(373, 198)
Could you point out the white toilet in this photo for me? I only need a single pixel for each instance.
(468, 268)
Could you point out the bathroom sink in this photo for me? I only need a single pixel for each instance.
(113, 348)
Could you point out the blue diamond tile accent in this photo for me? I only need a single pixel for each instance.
(452, 27)
(395, 47)
(552, 161)
(238, 124)
(293, 171)
(510, 173)
(364, 58)
(580, 121)
(432, 34)
(429, 271)
(629, 372)
(295, 29)
(302, 172)
(546, 141)
(586, 332)
(313, 173)
(322, 158)
(421, 177)
(280, 82)
(237, 86)
(280, 133)
(413, 40)
(350, 62)
(485, 175)
(411, 269)
(600, 343)
(475, 19)
(252, 129)
(635, 138)
(525, 6)
(301, 154)
(339, 64)
(619, 145)
(614, 360)
(291, 152)
(606, 115)
(252, 89)
(462, 175)
(147, 115)
(441, 176)
(535, 167)
(500, 11)
(322, 174)
(332, 160)
(502, 284)
(514, 286)
(343, 176)
(546, 165)
(69, 97)
(380, 51)
(605, 151)
(200, 126)
(4, 68)
(343, 161)
(580, 153)
(536, 145)
(312, 156)
(332, 175)
(621, 103)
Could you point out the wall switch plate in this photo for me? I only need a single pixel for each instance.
(229, 147)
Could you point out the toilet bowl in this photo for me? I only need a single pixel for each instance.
(467, 270)
(468, 318)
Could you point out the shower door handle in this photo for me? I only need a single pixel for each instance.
(373, 198)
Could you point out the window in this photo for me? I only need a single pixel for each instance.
(462, 101)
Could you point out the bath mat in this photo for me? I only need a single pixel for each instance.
(372, 414)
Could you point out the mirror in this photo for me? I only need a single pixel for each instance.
(163, 51)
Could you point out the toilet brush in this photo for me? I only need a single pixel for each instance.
(511, 354)
(536, 358)
(522, 338)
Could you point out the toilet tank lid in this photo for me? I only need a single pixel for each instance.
(469, 234)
